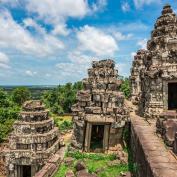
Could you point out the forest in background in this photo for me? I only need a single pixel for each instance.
(58, 99)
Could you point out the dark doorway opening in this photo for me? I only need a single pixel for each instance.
(97, 136)
(26, 171)
(172, 96)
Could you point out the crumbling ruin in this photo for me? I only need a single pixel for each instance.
(32, 142)
(154, 72)
(154, 77)
(99, 114)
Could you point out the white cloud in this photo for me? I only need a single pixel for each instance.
(15, 37)
(120, 37)
(4, 58)
(142, 43)
(30, 73)
(4, 61)
(4, 66)
(56, 12)
(10, 2)
(140, 3)
(125, 7)
(94, 40)
(61, 29)
(99, 5)
(59, 12)
(76, 68)
(121, 69)
(175, 11)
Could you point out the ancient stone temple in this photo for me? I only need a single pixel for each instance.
(32, 142)
(154, 71)
(99, 114)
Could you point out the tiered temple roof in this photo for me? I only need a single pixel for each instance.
(33, 140)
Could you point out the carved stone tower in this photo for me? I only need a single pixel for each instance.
(99, 115)
(32, 142)
(154, 71)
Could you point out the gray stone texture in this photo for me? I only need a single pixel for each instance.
(100, 102)
(33, 140)
(155, 67)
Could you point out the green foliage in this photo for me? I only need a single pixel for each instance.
(5, 128)
(60, 99)
(8, 114)
(94, 156)
(94, 162)
(62, 171)
(63, 123)
(3, 99)
(113, 171)
(20, 95)
(125, 87)
(126, 136)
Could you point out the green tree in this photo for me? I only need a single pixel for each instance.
(60, 99)
(3, 99)
(8, 114)
(20, 95)
(125, 87)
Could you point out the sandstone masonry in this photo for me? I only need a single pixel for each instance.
(99, 114)
(32, 142)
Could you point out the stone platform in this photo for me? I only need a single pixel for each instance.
(150, 155)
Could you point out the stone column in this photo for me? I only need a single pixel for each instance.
(106, 137)
(88, 136)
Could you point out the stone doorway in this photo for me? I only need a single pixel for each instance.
(96, 137)
(26, 171)
(172, 96)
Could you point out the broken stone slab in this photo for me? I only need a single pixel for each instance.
(80, 165)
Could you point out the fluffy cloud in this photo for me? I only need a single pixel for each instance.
(96, 41)
(30, 73)
(16, 37)
(10, 2)
(99, 5)
(140, 3)
(120, 37)
(60, 10)
(142, 43)
(125, 7)
(4, 61)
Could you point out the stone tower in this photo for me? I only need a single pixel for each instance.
(154, 71)
(99, 114)
(32, 142)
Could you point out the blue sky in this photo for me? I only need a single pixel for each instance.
(49, 42)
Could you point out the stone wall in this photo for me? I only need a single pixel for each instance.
(99, 103)
(50, 168)
(150, 156)
(153, 69)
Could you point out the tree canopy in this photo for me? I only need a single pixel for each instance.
(60, 99)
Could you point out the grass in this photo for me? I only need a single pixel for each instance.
(114, 170)
(62, 171)
(63, 122)
(94, 162)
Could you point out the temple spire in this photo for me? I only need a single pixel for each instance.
(167, 9)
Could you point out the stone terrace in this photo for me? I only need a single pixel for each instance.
(152, 157)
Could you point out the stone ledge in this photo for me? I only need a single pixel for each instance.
(150, 154)
(50, 168)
